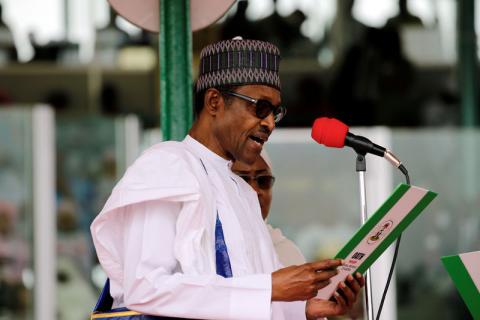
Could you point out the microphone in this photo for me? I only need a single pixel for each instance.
(334, 133)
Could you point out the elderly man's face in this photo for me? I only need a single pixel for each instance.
(239, 131)
(249, 172)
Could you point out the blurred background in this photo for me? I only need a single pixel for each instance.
(79, 100)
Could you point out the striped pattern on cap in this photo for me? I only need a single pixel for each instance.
(239, 62)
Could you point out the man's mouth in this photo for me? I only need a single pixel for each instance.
(259, 138)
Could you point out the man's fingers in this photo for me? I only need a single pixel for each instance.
(325, 264)
(340, 300)
(360, 279)
(322, 284)
(353, 284)
(348, 293)
(325, 275)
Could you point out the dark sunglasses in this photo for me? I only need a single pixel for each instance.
(262, 107)
(263, 182)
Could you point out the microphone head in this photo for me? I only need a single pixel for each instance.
(329, 132)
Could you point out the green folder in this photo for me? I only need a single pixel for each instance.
(379, 232)
(464, 269)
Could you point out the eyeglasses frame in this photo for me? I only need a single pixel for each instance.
(255, 178)
(283, 110)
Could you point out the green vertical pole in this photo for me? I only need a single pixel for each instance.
(467, 62)
(175, 68)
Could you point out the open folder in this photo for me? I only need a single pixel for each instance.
(464, 269)
(378, 232)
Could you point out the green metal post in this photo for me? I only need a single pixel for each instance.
(467, 62)
(175, 69)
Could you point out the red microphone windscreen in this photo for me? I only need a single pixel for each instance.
(330, 132)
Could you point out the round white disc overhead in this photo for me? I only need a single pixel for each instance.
(144, 13)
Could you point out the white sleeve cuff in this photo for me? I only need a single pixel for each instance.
(252, 297)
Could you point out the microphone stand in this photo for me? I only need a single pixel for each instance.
(361, 168)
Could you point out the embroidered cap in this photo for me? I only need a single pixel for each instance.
(238, 62)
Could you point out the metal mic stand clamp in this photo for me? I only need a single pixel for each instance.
(361, 168)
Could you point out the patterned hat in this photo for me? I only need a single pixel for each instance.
(239, 62)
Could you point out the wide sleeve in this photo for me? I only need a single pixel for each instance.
(153, 283)
(294, 310)
(156, 175)
(152, 239)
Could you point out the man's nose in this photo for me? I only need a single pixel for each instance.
(255, 186)
(269, 122)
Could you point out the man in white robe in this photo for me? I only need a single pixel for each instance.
(182, 236)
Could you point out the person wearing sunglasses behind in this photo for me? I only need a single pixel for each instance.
(181, 235)
(259, 177)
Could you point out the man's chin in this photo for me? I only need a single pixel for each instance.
(249, 158)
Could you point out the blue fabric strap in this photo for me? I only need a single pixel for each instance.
(105, 300)
(224, 268)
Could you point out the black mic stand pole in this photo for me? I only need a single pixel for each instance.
(361, 168)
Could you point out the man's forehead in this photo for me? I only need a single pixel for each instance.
(258, 166)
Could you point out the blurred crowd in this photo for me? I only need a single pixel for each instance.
(357, 73)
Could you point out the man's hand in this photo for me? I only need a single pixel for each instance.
(341, 302)
(302, 282)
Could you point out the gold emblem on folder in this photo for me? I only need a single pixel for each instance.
(380, 232)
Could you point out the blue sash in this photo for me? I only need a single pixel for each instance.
(222, 259)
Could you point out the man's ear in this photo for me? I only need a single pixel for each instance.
(213, 101)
